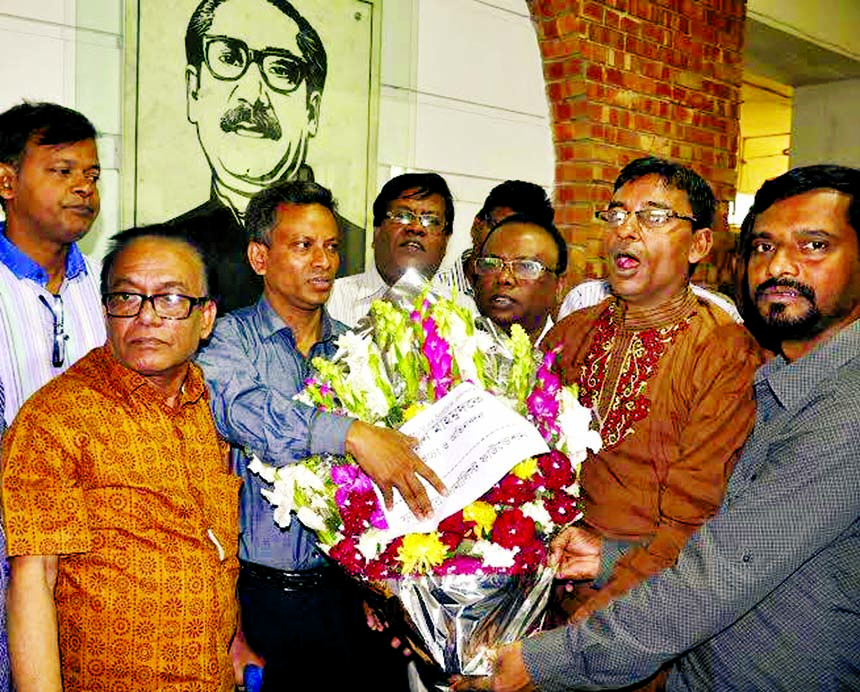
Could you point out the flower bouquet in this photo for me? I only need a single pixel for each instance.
(495, 423)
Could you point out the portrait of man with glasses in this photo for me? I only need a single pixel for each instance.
(669, 374)
(253, 82)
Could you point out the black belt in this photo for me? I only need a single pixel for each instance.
(288, 581)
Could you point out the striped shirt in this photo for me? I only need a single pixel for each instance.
(37, 327)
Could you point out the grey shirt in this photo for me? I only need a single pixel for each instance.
(766, 595)
(253, 370)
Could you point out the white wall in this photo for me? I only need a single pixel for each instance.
(70, 52)
(828, 23)
(463, 94)
(824, 125)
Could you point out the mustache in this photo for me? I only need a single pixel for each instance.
(802, 289)
(257, 114)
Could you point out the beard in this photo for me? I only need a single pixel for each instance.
(785, 327)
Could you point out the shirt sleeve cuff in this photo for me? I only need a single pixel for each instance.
(328, 433)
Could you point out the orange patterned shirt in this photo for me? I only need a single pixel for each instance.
(137, 500)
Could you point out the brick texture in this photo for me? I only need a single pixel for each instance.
(626, 78)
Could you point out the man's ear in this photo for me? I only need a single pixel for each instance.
(701, 245)
(258, 257)
(192, 88)
(314, 104)
(209, 311)
(8, 181)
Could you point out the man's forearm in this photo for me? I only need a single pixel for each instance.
(33, 642)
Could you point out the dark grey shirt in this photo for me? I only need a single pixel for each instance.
(253, 370)
(766, 595)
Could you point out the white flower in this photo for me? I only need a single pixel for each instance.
(371, 543)
(574, 420)
(495, 555)
(310, 519)
(264, 471)
(538, 513)
(361, 379)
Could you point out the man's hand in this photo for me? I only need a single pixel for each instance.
(577, 552)
(510, 674)
(387, 456)
(241, 655)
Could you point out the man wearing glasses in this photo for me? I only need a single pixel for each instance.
(517, 274)
(254, 85)
(668, 374)
(50, 313)
(119, 503)
(413, 218)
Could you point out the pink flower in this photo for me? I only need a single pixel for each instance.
(459, 564)
(439, 359)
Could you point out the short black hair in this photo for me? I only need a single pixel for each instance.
(120, 241)
(44, 123)
(548, 226)
(425, 184)
(308, 39)
(699, 193)
(262, 212)
(521, 197)
(797, 181)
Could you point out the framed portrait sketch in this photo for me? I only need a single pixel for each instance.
(229, 96)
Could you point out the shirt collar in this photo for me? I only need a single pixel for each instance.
(791, 383)
(24, 267)
(270, 322)
(124, 378)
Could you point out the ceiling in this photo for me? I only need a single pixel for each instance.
(792, 60)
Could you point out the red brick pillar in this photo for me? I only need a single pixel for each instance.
(626, 78)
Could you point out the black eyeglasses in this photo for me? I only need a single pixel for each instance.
(58, 352)
(648, 218)
(525, 269)
(229, 58)
(168, 306)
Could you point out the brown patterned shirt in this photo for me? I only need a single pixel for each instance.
(672, 388)
(137, 500)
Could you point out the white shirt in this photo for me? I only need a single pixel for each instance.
(27, 323)
(590, 293)
(351, 296)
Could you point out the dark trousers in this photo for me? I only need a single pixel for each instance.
(314, 637)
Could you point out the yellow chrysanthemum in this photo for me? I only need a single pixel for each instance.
(420, 552)
(483, 514)
(413, 410)
(526, 469)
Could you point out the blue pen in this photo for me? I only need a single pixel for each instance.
(252, 676)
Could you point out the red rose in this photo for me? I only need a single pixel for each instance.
(513, 528)
(357, 511)
(562, 507)
(556, 470)
(511, 490)
(529, 558)
(346, 554)
(385, 565)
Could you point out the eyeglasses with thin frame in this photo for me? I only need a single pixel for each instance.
(647, 218)
(429, 222)
(168, 306)
(229, 58)
(58, 351)
(525, 269)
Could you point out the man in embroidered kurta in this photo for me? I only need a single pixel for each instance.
(766, 595)
(120, 509)
(50, 314)
(668, 374)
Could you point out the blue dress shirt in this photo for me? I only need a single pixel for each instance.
(766, 595)
(253, 370)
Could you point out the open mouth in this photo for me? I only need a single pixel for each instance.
(412, 246)
(625, 262)
(501, 300)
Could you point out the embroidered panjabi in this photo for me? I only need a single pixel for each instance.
(137, 500)
(672, 390)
